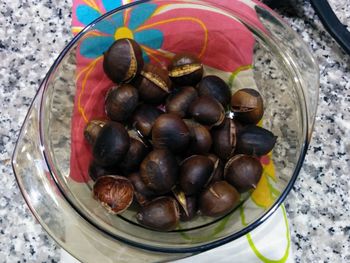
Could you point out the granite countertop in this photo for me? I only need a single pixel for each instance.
(32, 34)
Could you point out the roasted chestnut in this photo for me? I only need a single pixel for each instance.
(218, 199)
(96, 170)
(181, 101)
(142, 193)
(191, 209)
(201, 140)
(195, 172)
(159, 171)
(115, 193)
(224, 139)
(185, 70)
(123, 60)
(111, 144)
(207, 111)
(153, 84)
(121, 102)
(254, 140)
(144, 118)
(92, 129)
(160, 214)
(134, 156)
(170, 132)
(215, 87)
(243, 172)
(247, 105)
(218, 172)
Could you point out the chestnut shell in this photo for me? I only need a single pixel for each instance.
(144, 118)
(142, 193)
(201, 140)
(215, 87)
(92, 129)
(207, 111)
(180, 102)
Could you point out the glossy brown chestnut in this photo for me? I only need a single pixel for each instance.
(254, 140)
(123, 60)
(92, 129)
(134, 156)
(224, 139)
(115, 193)
(243, 172)
(218, 199)
(201, 140)
(191, 209)
(96, 170)
(218, 172)
(144, 118)
(185, 70)
(159, 171)
(207, 111)
(180, 102)
(215, 87)
(153, 84)
(195, 172)
(142, 193)
(160, 214)
(111, 144)
(247, 105)
(170, 132)
(121, 102)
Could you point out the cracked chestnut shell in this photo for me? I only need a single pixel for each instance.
(115, 193)
(247, 105)
(121, 102)
(142, 193)
(254, 140)
(96, 170)
(144, 117)
(159, 171)
(195, 172)
(170, 132)
(153, 84)
(207, 111)
(185, 69)
(201, 140)
(92, 129)
(218, 172)
(224, 139)
(243, 172)
(180, 102)
(191, 207)
(218, 199)
(111, 144)
(215, 87)
(160, 214)
(123, 60)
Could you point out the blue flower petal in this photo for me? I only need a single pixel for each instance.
(117, 19)
(111, 4)
(151, 38)
(106, 26)
(140, 14)
(86, 14)
(93, 47)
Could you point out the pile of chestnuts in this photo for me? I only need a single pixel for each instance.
(167, 142)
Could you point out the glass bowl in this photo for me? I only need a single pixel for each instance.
(243, 42)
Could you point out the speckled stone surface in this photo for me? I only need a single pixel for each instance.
(32, 34)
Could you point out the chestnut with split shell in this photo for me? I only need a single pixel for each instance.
(207, 111)
(201, 140)
(180, 102)
(144, 118)
(142, 193)
(215, 87)
(92, 129)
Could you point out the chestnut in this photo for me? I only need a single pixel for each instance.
(142, 193)
(201, 140)
(170, 132)
(218, 172)
(215, 87)
(96, 170)
(121, 102)
(191, 209)
(134, 156)
(195, 172)
(160, 214)
(243, 172)
(185, 69)
(111, 144)
(224, 139)
(181, 101)
(123, 60)
(92, 129)
(115, 193)
(159, 171)
(254, 140)
(218, 199)
(247, 105)
(144, 118)
(207, 111)
(153, 84)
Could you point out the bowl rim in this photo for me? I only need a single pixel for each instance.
(194, 249)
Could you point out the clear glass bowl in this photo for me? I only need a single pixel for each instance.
(279, 65)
